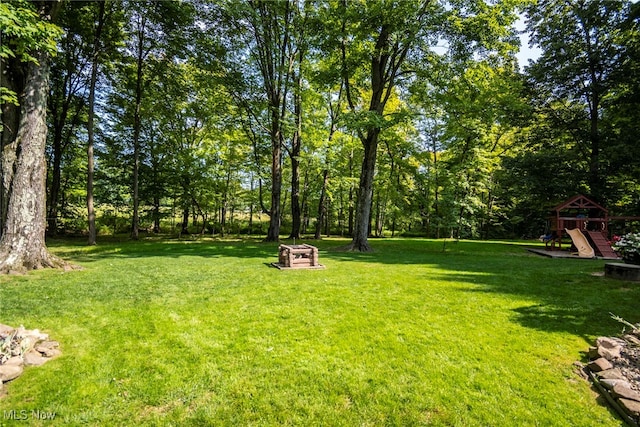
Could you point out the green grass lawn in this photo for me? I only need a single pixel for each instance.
(206, 333)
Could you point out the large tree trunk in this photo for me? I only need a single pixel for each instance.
(12, 78)
(296, 146)
(22, 246)
(273, 234)
(365, 194)
(296, 211)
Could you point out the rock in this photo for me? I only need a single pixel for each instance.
(623, 391)
(53, 353)
(609, 342)
(611, 383)
(10, 372)
(612, 374)
(632, 407)
(608, 353)
(600, 364)
(609, 348)
(34, 335)
(15, 361)
(48, 348)
(34, 358)
(5, 330)
(632, 339)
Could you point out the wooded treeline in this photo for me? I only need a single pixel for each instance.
(356, 118)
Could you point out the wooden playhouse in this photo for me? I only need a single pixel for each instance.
(591, 222)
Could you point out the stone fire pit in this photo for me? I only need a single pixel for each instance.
(297, 256)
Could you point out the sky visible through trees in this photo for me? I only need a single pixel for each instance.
(353, 118)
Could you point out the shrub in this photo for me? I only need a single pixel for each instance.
(627, 246)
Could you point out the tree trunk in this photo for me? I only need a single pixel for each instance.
(54, 191)
(91, 215)
(296, 146)
(273, 234)
(304, 203)
(322, 205)
(22, 246)
(11, 78)
(185, 221)
(352, 206)
(296, 211)
(365, 194)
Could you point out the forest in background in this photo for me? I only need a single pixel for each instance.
(315, 118)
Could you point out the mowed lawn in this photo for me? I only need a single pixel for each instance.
(417, 333)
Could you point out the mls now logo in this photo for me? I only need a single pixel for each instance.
(24, 415)
(16, 415)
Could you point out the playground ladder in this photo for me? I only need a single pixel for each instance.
(601, 245)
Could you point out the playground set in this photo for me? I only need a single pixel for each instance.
(586, 223)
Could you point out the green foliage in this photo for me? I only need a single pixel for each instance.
(627, 246)
(22, 33)
(582, 50)
(468, 145)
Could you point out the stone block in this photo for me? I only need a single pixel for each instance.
(632, 407)
(612, 374)
(609, 384)
(621, 271)
(10, 372)
(33, 358)
(15, 361)
(600, 364)
(623, 391)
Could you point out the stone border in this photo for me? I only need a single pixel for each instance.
(22, 347)
(620, 271)
(606, 372)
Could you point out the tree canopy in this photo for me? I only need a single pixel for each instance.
(358, 118)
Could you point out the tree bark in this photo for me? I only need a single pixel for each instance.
(322, 205)
(296, 147)
(91, 215)
(360, 240)
(12, 78)
(273, 234)
(296, 211)
(22, 246)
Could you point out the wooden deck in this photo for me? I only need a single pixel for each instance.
(565, 254)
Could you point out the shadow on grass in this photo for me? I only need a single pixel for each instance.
(566, 295)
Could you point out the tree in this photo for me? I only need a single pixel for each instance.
(156, 33)
(95, 64)
(263, 33)
(22, 246)
(67, 104)
(386, 34)
(581, 51)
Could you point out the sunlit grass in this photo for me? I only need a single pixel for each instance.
(420, 332)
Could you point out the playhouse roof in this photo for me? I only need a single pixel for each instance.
(579, 202)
